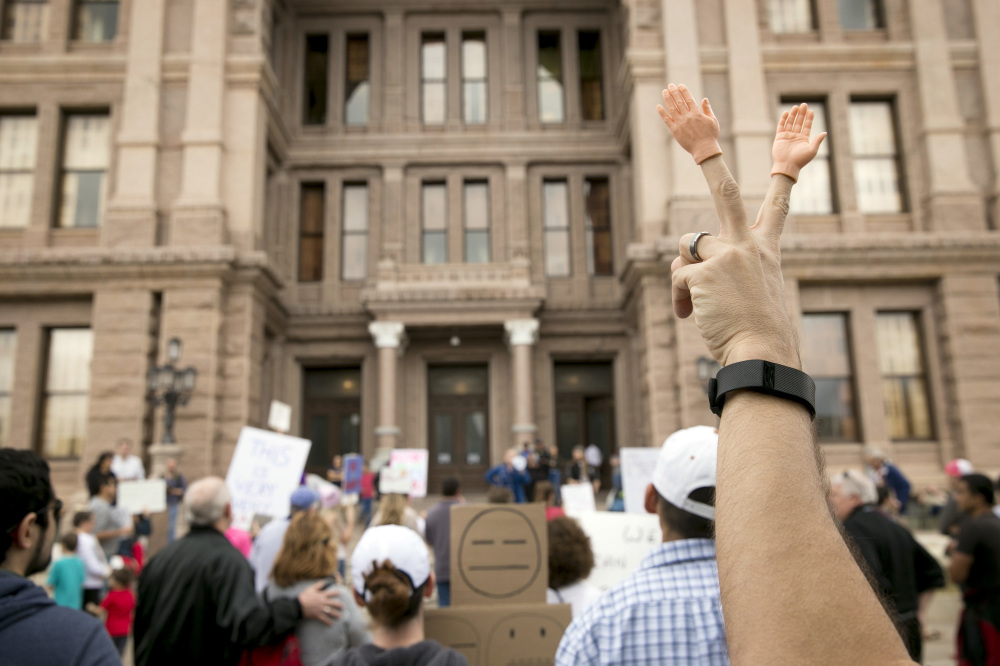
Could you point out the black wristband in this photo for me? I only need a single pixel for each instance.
(762, 377)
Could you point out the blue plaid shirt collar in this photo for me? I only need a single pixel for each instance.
(678, 552)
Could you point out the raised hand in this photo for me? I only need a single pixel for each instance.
(695, 129)
(792, 148)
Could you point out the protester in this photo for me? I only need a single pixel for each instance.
(668, 611)
(950, 517)
(498, 495)
(268, 542)
(902, 570)
(176, 485)
(118, 608)
(111, 523)
(367, 493)
(775, 532)
(335, 473)
(241, 540)
(308, 556)
(580, 471)
(507, 475)
(975, 565)
(571, 559)
(592, 454)
(95, 563)
(33, 629)
(343, 520)
(616, 496)
(201, 576)
(392, 575)
(127, 467)
(67, 574)
(98, 471)
(438, 533)
(887, 474)
(395, 509)
(544, 492)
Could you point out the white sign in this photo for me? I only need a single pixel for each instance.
(266, 468)
(143, 496)
(578, 497)
(637, 473)
(619, 541)
(280, 417)
(393, 481)
(414, 461)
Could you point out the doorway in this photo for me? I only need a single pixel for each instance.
(331, 415)
(585, 411)
(458, 425)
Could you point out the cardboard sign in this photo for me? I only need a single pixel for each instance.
(499, 554)
(619, 542)
(266, 468)
(414, 461)
(353, 467)
(280, 417)
(139, 496)
(637, 473)
(392, 481)
(500, 635)
(578, 497)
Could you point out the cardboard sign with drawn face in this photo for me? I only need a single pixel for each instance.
(514, 635)
(456, 633)
(499, 554)
(523, 634)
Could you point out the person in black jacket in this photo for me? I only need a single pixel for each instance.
(196, 598)
(902, 571)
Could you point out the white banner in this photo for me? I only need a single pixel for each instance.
(637, 473)
(143, 496)
(266, 468)
(578, 497)
(414, 461)
(619, 541)
(280, 417)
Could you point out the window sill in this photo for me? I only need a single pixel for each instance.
(810, 37)
(92, 47)
(870, 36)
(888, 223)
(71, 237)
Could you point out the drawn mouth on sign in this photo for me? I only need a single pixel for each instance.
(499, 568)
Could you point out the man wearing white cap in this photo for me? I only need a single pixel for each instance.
(669, 611)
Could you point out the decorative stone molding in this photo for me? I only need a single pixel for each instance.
(521, 331)
(387, 333)
(519, 428)
(387, 431)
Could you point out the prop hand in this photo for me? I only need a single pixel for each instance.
(792, 147)
(320, 604)
(695, 129)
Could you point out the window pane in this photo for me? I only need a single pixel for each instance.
(82, 199)
(8, 343)
(550, 89)
(332, 383)
(312, 221)
(433, 78)
(444, 444)
(477, 212)
(587, 378)
(355, 259)
(67, 383)
(872, 129)
(876, 160)
(433, 103)
(350, 434)
(474, 102)
(591, 91)
(859, 14)
(354, 243)
(15, 199)
(318, 435)
(567, 431)
(555, 203)
(477, 247)
(432, 57)
(474, 77)
(64, 427)
(25, 20)
(557, 262)
(87, 142)
(788, 16)
(435, 247)
(96, 21)
(458, 380)
(356, 207)
(18, 142)
(813, 194)
(316, 63)
(475, 438)
(877, 184)
(835, 418)
(598, 226)
(827, 357)
(435, 207)
(904, 385)
(556, 222)
(358, 88)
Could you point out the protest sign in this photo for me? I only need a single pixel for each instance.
(414, 461)
(637, 473)
(280, 417)
(393, 481)
(266, 468)
(143, 496)
(619, 541)
(353, 468)
(578, 497)
(498, 635)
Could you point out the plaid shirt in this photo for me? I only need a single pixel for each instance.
(667, 612)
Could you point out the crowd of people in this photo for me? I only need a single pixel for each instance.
(762, 557)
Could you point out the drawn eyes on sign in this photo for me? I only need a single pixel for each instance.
(541, 632)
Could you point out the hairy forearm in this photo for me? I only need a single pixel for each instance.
(778, 594)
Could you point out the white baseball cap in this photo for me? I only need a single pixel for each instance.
(400, 545)
(686, 463)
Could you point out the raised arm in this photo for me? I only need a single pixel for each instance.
(791, 592)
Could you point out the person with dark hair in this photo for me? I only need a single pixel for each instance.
(499, 495)
(438, 534)
(66, 575)
(33, 629)
(111, 524)
(545, 493)
(117, 608)
(571, 559)
(580, 470)
(98, 471)
(391, 575)
(669, 611)
(975, 565)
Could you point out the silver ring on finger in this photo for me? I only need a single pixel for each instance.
(327, 610)
(693, 248)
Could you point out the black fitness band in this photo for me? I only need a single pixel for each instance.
(762, 377)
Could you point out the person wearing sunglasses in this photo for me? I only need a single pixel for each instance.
(29, 520)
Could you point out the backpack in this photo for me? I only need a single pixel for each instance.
(286, 653)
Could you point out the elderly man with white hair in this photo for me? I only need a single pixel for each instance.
(196, 599)
(902, 571)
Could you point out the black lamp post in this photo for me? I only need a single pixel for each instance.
(170, 386)
(707, 367)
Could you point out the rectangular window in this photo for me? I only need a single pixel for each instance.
(860, 14)
(433, 78)
(827, 358)
(96, 20)
(25, 20)
(435, 223)
(597, 195)
(312, 218)
(904, 378)
(316, 64)
(813, 193)
(66, 392)
(8, 344)
(876, 157)
(357, 95)
(474, 78)
(86, 152)
(555, 209)
(354, 241)
(790, 16)
(18, 142)
(550, 82)
(476, 213)
(591, 85)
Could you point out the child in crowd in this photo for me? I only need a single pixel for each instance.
(90, 553)
(118, 607)
(66, 575)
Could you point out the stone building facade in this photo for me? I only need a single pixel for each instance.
(448, 224)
